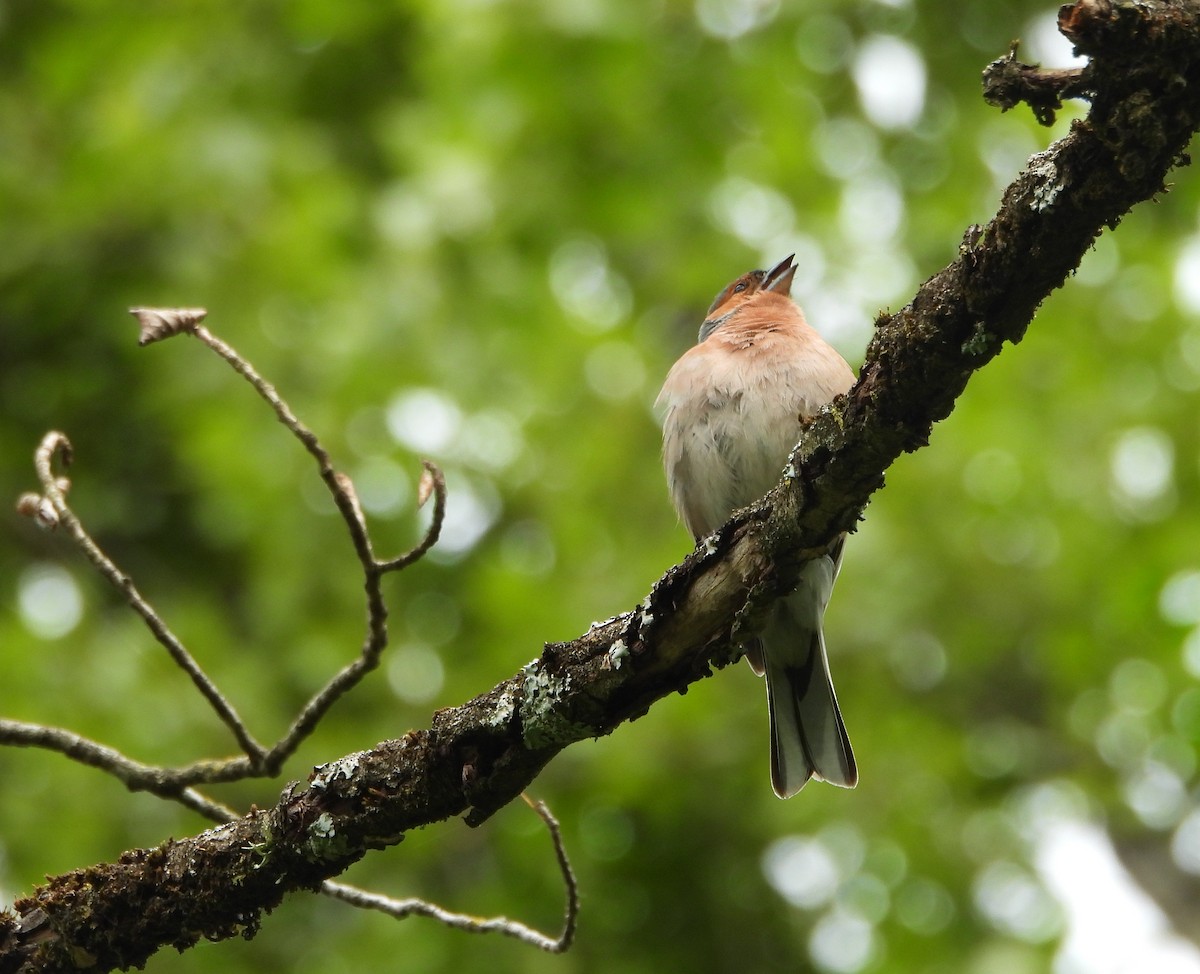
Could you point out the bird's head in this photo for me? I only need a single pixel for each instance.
(746, 290)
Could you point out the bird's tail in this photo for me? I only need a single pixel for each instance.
(808, 737)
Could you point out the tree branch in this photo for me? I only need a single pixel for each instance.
(55, 446)
(1143, 79)
(1007, 82)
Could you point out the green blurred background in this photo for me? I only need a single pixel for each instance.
(480, 231)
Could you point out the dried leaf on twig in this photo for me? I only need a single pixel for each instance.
(160, 323)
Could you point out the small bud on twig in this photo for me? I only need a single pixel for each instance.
(160, 323)
(426, 486)
(39, 509)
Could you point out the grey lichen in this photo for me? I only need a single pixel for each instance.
(618, 652)
(543, 724)
(323, 827)
(600, 623)
(1049, 181)
(505, 708)
(324, 840)
(344, 768)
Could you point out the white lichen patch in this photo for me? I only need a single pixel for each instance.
(323, 827)
(542, 721)
(539, 685)
(603, 622)
(324, 842)
(341, 768)
(1049, 182)
(503, 712)
(618, 652)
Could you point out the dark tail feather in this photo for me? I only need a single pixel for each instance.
(808, 738)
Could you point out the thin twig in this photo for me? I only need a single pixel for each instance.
(412, 906)
(437, 484)
(56, 445)
(133, 774)
(571, 914)
(170, 783)
(342, 682)
(346, 503)
(51, 509)
(176, 784)
(342, 489)
(208, 807)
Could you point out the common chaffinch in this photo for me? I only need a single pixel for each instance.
(734, 405)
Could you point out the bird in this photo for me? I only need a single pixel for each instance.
(733, 407)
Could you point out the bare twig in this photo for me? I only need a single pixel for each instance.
(51, 509)
(176, 784)
(136, 776)
(169, 783)
(412, 906)
(342, 490)
(208, 807)
(432, 481)
(54, 446)
(341, 683)
(346, 503)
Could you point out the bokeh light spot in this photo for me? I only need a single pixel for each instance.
(615, 371)
(728, 19)
(528, 548)
(841, 942)
(753, 213)
(1156, 794)
(1187, 276)
(918, 660)
(382, 486)
(923, 906)
(49, 601)
(1047, 46)
(993, 476)
(1179, 599)
(1138, 685)
(587, 287)
(1141, 464)
(424, 420)
(1014, 902)
(801, 870)
(1185, 843)
(415, 673)
(890, 75)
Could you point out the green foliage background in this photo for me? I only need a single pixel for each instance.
(481, 231)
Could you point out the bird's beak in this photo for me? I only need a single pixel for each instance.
(779, 277)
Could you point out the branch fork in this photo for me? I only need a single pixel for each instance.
(50, 510)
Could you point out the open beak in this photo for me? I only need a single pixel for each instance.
(779, 277)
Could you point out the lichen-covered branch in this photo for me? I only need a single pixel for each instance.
(1142, 82)
(1007, 82)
